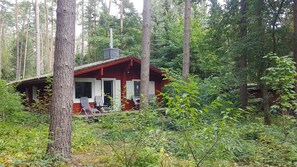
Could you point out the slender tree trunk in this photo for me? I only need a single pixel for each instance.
(21, 57)
(263, 62)
(61, 108)
(266, 106)
(38, 59)
(274, 44)
(186, 49)
(42, 57)
(145, 58)
(89, 34)
(52, 38)
(47, 55)
(93, 32)
(122, 21)
(1, 43)
(82, 34)
(26, 43)
(89, 49)
(295, 36)
(3, 46)
(17, 41)
(242, 64)
(109, 6)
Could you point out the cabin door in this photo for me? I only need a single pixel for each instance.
(108, 92)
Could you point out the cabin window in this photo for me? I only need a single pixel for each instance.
(83, 89)
(136, 88)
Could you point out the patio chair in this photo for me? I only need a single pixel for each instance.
(84, 101)
(99, 104)
(136, 101)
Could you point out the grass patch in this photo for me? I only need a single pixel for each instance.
(119, 140)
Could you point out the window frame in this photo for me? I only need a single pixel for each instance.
(92, 81)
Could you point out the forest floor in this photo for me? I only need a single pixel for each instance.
(23, 141)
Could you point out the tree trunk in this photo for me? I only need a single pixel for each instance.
(93, 32)
(295, 36)
(3, 45)
(242, 64)
(38, 60)
(109, 6)
(89, 32)
(89, 49)
(61, 108)
(52, 38)
(17, 42)
(1, 32)
(47, 55)
(82, 34)
(26, 43)
(21, 56)
(145, 58)
(262, 62)
(186, 49)
(122, 21)
(266, 107)
(274, 25)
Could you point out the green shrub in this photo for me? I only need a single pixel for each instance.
(201, 122)
(42, 103)
(128, 135)
(10, 101)
(281, 77)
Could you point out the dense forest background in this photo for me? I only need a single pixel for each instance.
(242, 69)
(217, 41)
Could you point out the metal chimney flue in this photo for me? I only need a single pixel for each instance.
(111, 53)
(111, 38)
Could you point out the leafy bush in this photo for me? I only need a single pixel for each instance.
(201, 126)
(127, 138)
(42, 103)
(10, 101)
(281, 77)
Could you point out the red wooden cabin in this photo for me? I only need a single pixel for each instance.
(118, 78)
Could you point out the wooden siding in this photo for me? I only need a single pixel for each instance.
(124, 69)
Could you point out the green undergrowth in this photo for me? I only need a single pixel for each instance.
(23, 138)
(146, 140)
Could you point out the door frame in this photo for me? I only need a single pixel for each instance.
(113, 87)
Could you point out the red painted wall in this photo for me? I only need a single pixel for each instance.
(124, 71)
